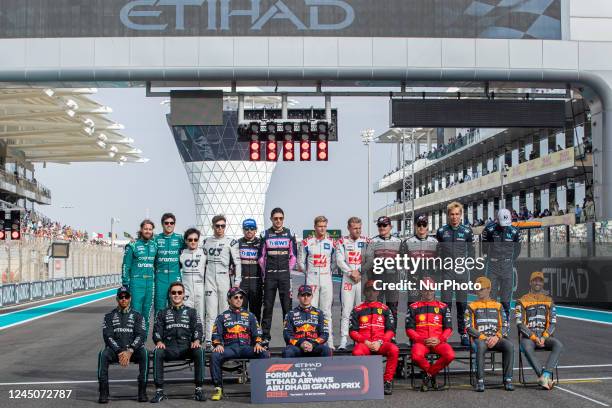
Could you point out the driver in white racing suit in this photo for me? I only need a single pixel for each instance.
(348, 258)
(222, 253)
(193, 266)
(316, 259)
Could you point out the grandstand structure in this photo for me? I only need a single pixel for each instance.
(49, 125)
(538, 174)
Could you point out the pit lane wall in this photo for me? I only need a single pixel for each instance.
(28, 273)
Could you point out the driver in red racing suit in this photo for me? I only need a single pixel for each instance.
(372, 328)
(429, 325)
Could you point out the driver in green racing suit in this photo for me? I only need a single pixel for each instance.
(138, 270)
(167, 267)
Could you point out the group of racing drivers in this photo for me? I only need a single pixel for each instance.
(191, 286)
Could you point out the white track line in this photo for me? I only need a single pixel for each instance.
(582, 396)
(583, 309)
(586, 366)
(52, 313)
(585, 320)
(57, 300)
(51, 300)
(560, 367)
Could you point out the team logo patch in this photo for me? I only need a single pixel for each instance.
(244, 314)
(319, 260)
(436, 309)
(360, 245)
(237, 329)
(354, 258)
(326, 246)
(379, 310)
(248, 253)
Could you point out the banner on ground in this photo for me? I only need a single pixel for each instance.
(305, 380)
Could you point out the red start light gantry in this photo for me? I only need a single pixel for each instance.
(288, 153)
(305, 150)
(271, 151)
(322, 150)
(254, 151)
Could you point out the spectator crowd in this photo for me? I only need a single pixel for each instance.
(35, 224)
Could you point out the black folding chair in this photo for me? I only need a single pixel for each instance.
(493, 363)
(431, 357)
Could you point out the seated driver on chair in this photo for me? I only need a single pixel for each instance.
(306, 329)
(372, 328)
(236, 334)
(536, 318)
(429, 325)
(124, 334)
(177, 335)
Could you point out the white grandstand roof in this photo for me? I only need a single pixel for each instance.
(62, 126)
(395, 135)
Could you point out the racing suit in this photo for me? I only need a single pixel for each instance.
(425, 320)
(536, 317)
(177, 327)
(456, 243)
(221, 253)
(373, 321)
(419, 248)
(317, 256)
(384, 247)
(306, 324)
(123, 330)
(348, 258)
(238, 331)
(501, 246)
(252, 281)
(193, 267)
(137, 273)
(484, 319)
(277, 260)
(167, 268)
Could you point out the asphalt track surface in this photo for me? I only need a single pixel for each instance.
(60, 352)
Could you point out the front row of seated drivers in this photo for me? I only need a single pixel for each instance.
(178, 334)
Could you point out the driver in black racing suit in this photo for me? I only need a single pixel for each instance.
(456, 241)
(501, 246)
(249, 247)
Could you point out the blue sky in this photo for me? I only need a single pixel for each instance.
(88, 195)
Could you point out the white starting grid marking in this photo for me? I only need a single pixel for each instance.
(582, 396)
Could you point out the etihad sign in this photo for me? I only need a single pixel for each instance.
(148, 15)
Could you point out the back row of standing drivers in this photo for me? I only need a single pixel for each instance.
(266, 262)
(151, 263)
